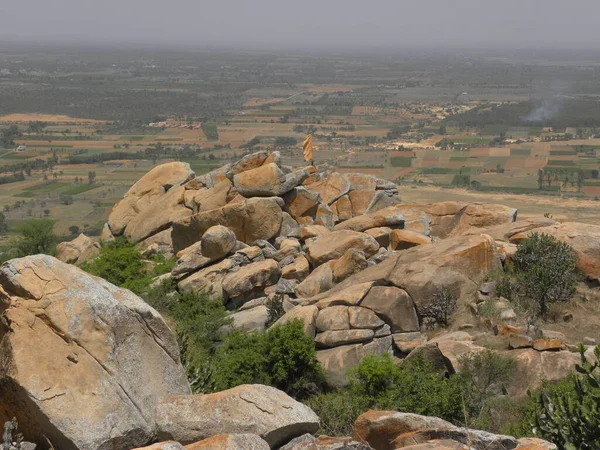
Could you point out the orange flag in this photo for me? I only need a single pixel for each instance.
(307, 148)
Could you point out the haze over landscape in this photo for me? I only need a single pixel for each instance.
(308, 25)
(334, 225)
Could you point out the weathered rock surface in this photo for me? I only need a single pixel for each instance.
(96, 346)
(266, 181)
(320, 280)
(351, 262)
(403, 239)
(244, 281)
(386, 217)
(394, 305)
(244, 441)
(331, 188)
(250, 220)
(217, 242)
(77, 251)
(146, 192)
(306, 314)
(157, 216)
(257, 409)
(335, 244)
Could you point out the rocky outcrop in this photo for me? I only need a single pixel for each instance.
(255, 409)
(77, 251)
(97, 346)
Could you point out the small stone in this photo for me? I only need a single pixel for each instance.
(589, 341)
(508, 314)
(567, 316)
(488, 288)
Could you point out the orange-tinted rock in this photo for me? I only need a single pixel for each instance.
(546, 344)
(403, 239)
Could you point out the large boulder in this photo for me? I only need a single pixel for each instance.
(267, 181)
(336, 362)
(394, 306)
(301, 202)
(534, 367)
(454, 218)
(146, 192)
(335, 244)
(331, 188)
(257, 409)
(77, 251)
(212, 198)
(158, 216)
(242, 284)
(101, 357)
(320, 280)
(217, 242)
(386, 217)
(250, 220)
(380, 428)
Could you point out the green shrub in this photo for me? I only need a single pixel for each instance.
(485, 374)
(338, 411)
(35, 236)
(547, 269)
(377, 382)
(121, 264)
(283, 356)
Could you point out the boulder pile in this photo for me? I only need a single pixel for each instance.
(340, 251)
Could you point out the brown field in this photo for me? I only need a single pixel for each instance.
(529, 206)
(31, 117)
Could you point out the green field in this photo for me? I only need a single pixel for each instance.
(55, 187)
(401, 161)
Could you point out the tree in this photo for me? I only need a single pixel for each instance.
(443, 131)
(440, 308)
(540, 178)
(91, 177)
(35, 236)
(46, 212)
(74, 230)
(66, 199)
(3, 224)
(547, 268)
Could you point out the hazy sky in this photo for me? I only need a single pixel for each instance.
(309, 23)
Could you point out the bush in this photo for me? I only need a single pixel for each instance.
(485, 374)
(378, 383)
(338, 411)
(547, 269)
(440, 308)
(283, 356)
(121, 264)
(36, 236)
